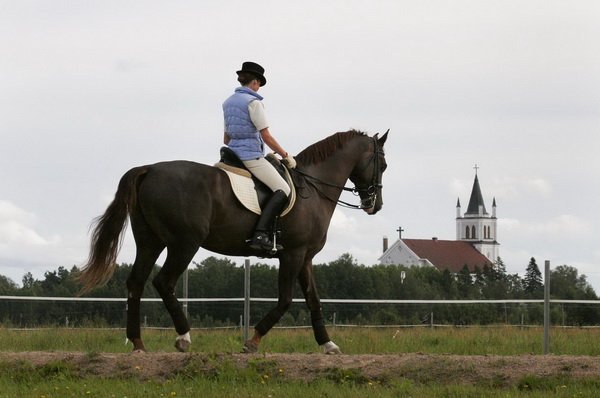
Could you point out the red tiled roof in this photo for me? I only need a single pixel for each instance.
(448, 254)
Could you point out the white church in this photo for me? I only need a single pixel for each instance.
(475, 245)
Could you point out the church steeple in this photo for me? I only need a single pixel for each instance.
(476, 201)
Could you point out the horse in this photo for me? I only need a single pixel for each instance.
(183, 205)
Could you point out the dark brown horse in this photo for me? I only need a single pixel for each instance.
(182, 206)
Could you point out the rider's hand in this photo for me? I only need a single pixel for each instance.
(289, 162)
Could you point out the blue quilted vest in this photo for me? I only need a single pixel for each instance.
(246, 140)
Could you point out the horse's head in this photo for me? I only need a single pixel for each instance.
(367, 175)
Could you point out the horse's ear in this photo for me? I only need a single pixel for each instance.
(383, 139)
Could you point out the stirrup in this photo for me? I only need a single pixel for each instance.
(261, 241)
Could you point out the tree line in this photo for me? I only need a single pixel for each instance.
(342, 278)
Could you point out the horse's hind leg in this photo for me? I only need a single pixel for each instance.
(178, 258)
(146, 256)
(308, 285)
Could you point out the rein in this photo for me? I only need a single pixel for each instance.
(371, 190)
(314, 182)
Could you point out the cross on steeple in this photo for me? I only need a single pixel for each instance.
(476, 167)
(400, 230)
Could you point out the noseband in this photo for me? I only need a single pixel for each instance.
(370, 191)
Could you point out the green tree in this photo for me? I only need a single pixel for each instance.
(567, 284)
(7, 286)
(28, 281)
(344, 278)
(532, 282)
(216, 277)
(447, 285)
(500, 267)
(464, 284)
(495, 285)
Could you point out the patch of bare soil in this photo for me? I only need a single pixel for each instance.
(420, 368)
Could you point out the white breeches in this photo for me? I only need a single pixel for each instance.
(265, 172)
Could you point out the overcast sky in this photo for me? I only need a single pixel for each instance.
(89, 89)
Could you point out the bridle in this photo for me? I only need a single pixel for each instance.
(370, 191)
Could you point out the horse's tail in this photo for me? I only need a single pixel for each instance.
(108, 234)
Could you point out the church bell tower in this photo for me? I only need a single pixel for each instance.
(476, 226)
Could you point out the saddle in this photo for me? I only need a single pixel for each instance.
(249, 190)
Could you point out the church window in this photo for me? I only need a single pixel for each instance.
(468, 233)
(473, 235)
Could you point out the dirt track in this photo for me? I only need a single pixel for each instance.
(420, 368)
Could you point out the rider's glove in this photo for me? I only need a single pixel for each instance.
(289, 162)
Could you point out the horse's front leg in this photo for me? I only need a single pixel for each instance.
(313, 302)
(289, 267)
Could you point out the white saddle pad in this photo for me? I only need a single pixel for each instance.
(243, 187)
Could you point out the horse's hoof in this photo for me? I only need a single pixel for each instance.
(330, 348)
(138, 344)
(182, 345)
(138, 351)
(250, 347)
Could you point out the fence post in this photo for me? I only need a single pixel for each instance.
(246, 299)
(431, 320)
(546, 307)
(522, 320)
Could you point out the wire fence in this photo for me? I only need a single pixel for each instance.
(25, 312)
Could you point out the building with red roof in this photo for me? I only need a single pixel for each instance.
(475, 246)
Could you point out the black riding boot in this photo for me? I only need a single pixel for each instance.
(261, 239)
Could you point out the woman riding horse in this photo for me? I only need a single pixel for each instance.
(182, 206)
(246, 132)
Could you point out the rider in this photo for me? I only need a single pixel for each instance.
(246, 132)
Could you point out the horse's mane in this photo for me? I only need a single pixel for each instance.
(321, 150)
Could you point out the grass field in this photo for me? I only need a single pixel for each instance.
(462, 341)
(59, 379)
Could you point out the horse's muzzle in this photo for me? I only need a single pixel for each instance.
(371, 204)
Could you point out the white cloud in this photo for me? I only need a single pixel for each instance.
(16, 227)
(539, 185)
(559, 226)
(341, 224)
(22, 248)
(12, 232)
(565, 224)
(509, 224)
